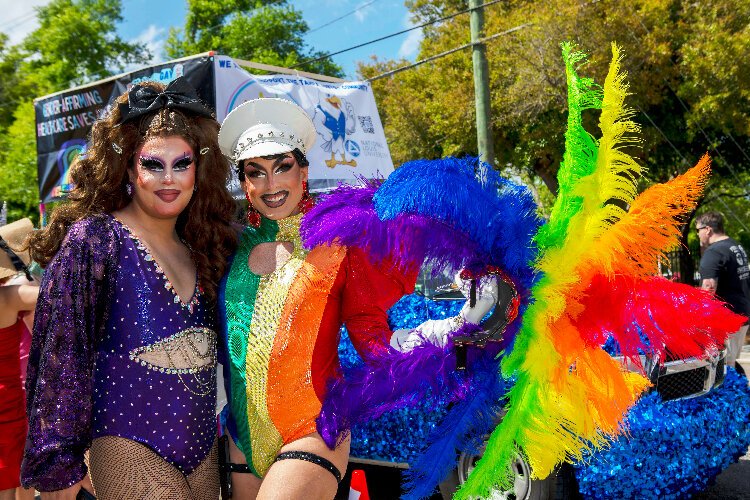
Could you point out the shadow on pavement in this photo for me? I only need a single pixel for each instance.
(732, 484)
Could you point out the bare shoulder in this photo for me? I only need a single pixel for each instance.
(5, 294)
(19, 297)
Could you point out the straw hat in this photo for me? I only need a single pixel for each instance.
(15, 235)
(264, 127)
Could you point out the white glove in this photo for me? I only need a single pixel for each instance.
(437, 331)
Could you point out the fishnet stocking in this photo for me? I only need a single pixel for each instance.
(124, 469)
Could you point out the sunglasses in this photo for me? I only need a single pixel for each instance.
(698, 229)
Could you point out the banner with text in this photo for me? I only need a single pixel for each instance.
(350, 143)
(63, 120)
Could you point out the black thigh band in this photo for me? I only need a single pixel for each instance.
(230, 467)
(311, 457)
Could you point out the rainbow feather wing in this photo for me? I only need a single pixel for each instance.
(447, 213)
(654, 218)
(615, 171)
(570, 395)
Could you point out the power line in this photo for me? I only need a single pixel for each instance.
(447, 52)
(738, 146)
(684, 107)
(341, 17)
(451, 16)
(17, 21)
(728, 209)
(663, 135)
(705, 136)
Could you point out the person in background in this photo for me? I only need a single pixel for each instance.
(123, 356)
(724, 271)
(16, 302)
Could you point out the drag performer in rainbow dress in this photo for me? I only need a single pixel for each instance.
(283, 321)
(581, 278)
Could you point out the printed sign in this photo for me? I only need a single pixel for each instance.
(350, 144)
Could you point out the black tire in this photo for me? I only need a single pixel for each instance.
(560, 485)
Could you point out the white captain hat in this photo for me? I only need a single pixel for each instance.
(264, 127)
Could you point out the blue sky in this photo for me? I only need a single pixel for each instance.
(149, 21)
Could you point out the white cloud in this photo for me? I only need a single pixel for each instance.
(410, 46)
(154, 38)
(362, 13)
(19, 18)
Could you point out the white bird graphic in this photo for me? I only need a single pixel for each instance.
(335, 119)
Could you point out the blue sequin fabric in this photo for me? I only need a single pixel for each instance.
(673, 449)
(108, 357)
(384, 438)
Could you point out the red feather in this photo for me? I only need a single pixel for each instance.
(679, 321)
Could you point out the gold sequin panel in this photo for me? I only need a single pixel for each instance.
(269, 304)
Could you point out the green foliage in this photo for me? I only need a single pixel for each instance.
(716, 66)
(268, 32)
(733, 200)
(74, 43)
(18, 185)
(688, 70)
(10, 59)
(689, 76)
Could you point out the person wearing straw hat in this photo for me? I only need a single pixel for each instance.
(282, 310)
(123, 357)
(15, 301)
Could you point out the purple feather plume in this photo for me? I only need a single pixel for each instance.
(398, 380)
(347, 217)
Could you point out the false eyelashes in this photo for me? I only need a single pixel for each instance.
(156, 164)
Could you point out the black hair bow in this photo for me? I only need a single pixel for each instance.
(179, 94)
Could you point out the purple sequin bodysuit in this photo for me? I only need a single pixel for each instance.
(115, 352)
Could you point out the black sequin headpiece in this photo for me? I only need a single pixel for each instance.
(179, 94)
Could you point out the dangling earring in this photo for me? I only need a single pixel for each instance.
(306, 203)
(129, 189)
(253, 216)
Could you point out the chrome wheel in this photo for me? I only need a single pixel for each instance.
(521, 474)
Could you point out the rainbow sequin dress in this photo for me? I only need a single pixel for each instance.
(281, 333)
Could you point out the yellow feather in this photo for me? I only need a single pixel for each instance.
(614, 177)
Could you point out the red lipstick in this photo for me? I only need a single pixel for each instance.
(168, 195)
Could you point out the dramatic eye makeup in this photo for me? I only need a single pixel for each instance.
(151, 163)
(183, 163)
(254, 173)
(155, 164)
(285, 166)
(281, 165)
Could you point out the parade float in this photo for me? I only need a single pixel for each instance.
(594, 290)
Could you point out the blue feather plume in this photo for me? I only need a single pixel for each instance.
(463, 428)
(496, 214)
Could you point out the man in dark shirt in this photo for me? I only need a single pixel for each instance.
(724, 270)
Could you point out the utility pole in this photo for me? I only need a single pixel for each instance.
(481, 83)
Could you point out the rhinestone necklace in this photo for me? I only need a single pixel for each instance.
(194, 299)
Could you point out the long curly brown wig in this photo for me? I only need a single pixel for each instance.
(101, 174)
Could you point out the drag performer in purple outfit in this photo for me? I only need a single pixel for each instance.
(124, 347)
